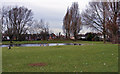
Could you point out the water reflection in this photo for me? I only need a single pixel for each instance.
(43, 44)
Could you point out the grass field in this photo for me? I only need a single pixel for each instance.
(87, 58)
(45, 41)
(53, 41)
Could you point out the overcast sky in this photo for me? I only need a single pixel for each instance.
(51, 11)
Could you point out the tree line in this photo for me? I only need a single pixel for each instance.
(100, 16)
(17, 21)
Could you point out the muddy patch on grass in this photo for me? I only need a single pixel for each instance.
(38, 64)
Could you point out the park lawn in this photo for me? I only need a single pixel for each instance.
(86, 58)
(39, 41)
(53, 41)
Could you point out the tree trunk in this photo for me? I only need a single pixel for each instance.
(66, 36)
(104, 32)
(75, 35)
(11, 38)
(115, 39)
(104, 37)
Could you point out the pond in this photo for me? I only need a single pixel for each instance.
(42, 44)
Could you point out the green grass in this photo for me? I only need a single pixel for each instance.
(53, 41)
(87, 58)
(45, 41)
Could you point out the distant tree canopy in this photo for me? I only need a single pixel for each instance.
(72, 21)
(37, 26)
(92, 37)
(40, 27)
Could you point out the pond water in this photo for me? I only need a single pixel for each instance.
(43, 44)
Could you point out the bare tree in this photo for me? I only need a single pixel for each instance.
(75, 19)
(72, 21)
(45, 30)
(39, 27)
(99, 15)
(119, 28)
(94, 16)
(36, 27)
(112, 19)
(0, 26)
(7, 26)
(16, 21)
(66, 24)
